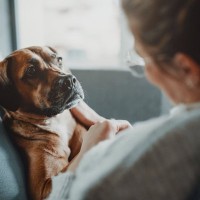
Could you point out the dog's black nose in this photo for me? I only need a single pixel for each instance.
(67, 82)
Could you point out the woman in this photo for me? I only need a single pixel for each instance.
(146, 161)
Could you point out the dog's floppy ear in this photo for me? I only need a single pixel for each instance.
(9, 97)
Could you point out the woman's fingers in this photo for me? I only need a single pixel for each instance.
(88, 117)
(121, 125)
(85, 115)
(100, 128)
(102, 131)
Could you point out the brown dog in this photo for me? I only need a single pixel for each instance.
(36, 95)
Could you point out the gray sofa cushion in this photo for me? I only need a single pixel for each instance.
(12, 184)
(118, 94)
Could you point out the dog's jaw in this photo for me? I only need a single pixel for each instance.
(75, 99)
(65, 102)
(50, 112)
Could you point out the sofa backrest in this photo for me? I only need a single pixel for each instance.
(118, 94)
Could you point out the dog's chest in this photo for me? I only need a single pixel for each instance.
(63, 125)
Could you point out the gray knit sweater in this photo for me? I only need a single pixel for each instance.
(156, 159)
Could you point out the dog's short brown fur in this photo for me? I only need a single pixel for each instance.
(36, 95)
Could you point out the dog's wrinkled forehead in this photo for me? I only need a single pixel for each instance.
(46, 53)
(21, 59)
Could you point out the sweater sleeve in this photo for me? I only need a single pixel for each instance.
(61, 185)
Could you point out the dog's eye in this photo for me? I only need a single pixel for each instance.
(30, 71)
(59, 60)
(53, 55)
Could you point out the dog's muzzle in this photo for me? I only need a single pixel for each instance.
(66, 92)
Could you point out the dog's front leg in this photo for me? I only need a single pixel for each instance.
(76, 140)
(39, 184)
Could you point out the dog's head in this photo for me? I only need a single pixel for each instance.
(32, 80)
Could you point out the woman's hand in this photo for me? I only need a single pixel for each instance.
(102, 131)
(99, 129)
(98, 132)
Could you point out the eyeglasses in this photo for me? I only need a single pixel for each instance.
(135, 63)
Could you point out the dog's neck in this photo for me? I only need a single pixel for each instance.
(61, 124)
(27, 117)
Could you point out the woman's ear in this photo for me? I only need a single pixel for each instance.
(188, 69)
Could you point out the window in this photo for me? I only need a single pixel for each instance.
(7, 33)
(87, 33)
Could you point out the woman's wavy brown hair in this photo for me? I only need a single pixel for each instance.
(169, 26)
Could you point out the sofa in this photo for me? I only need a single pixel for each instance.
(112, 93)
